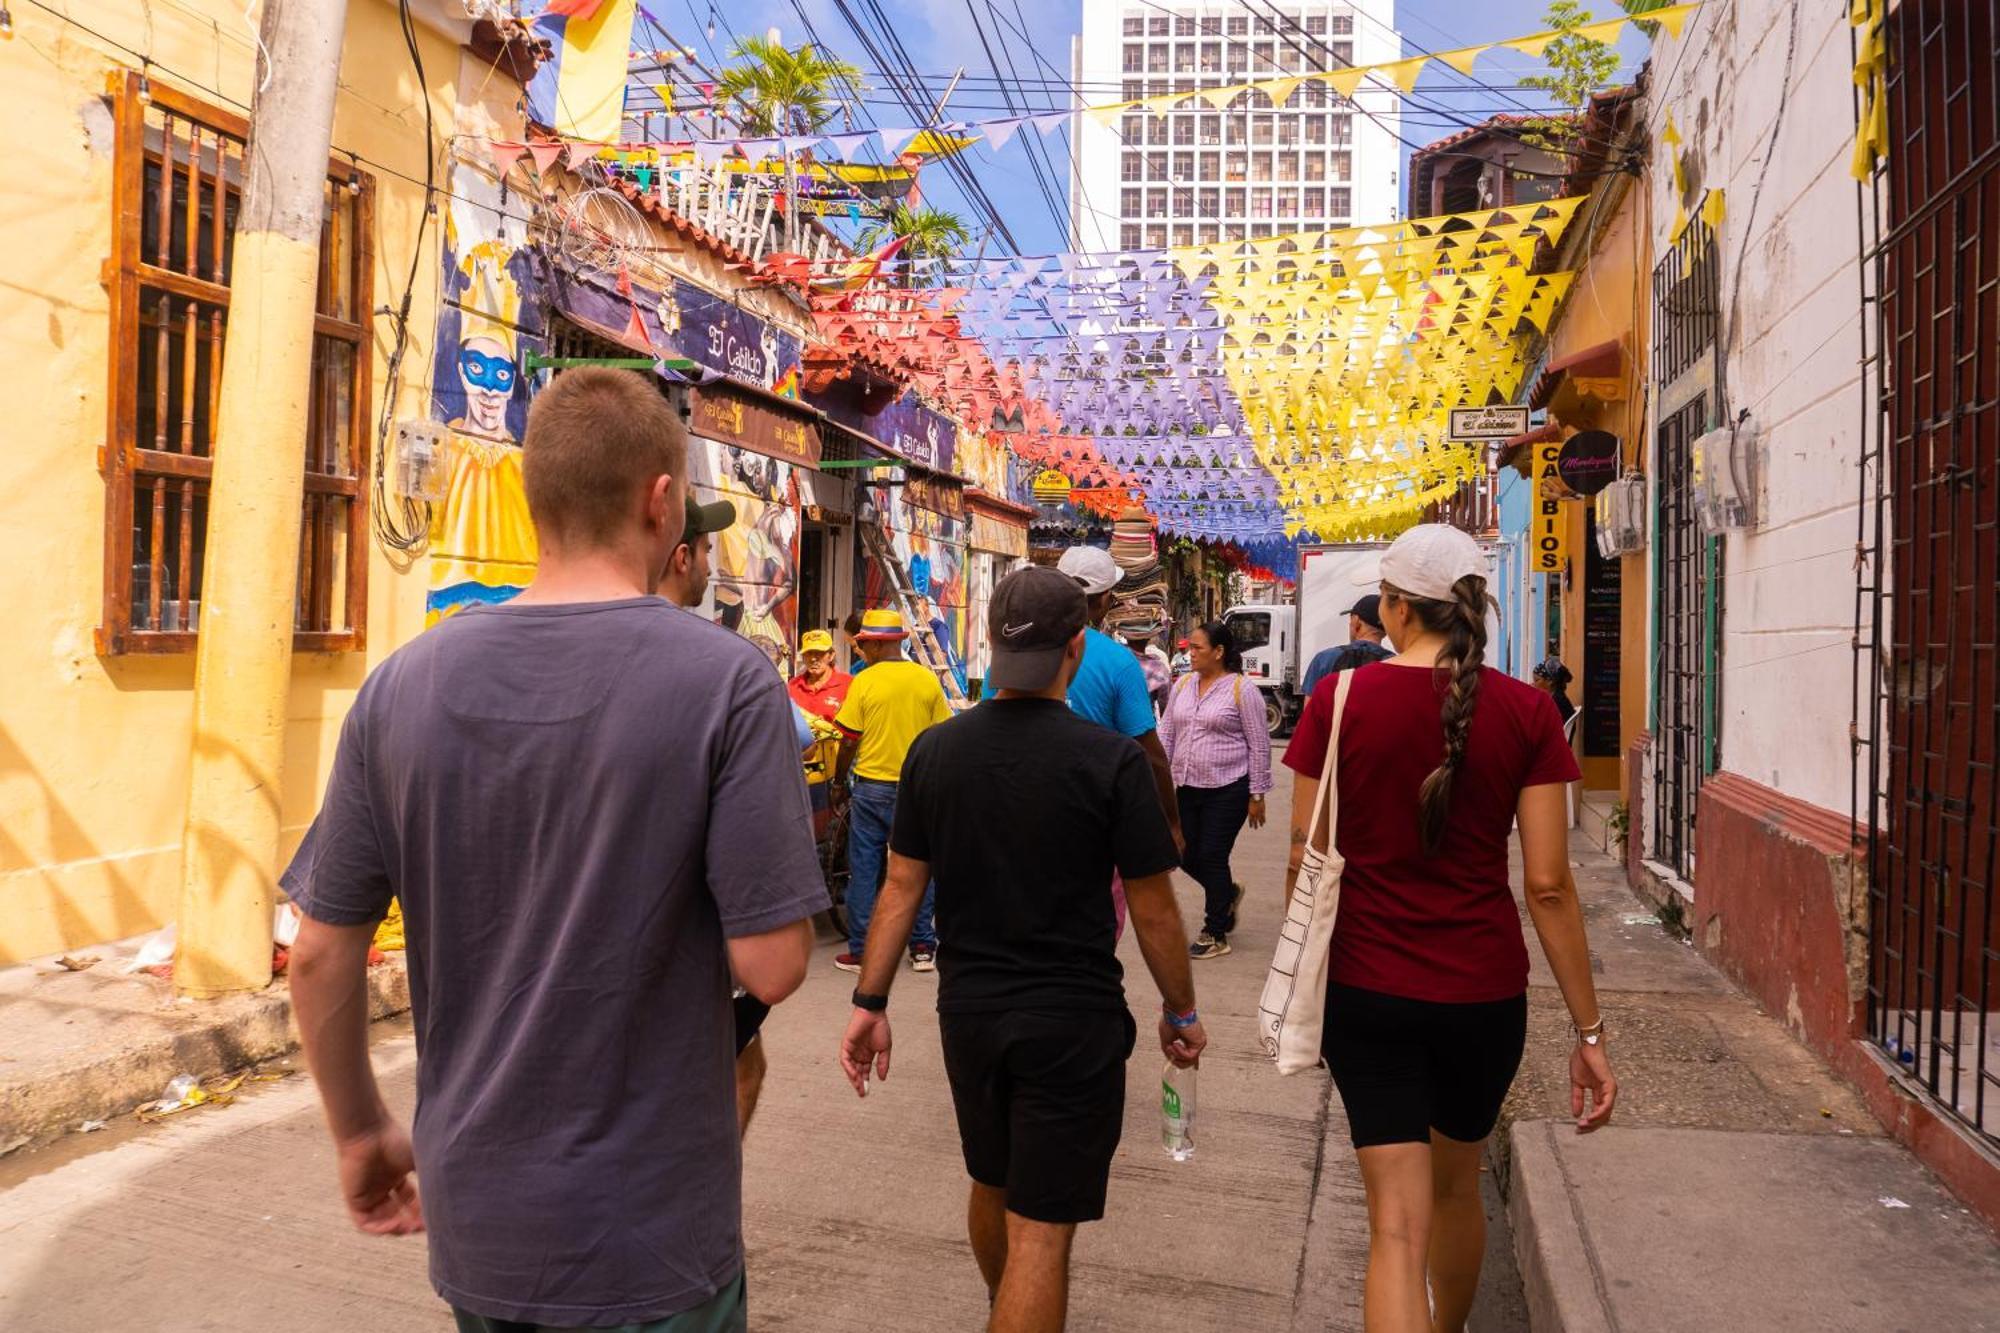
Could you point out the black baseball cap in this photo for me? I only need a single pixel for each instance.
(1369, 608)
(1034, 614)
(703, 519)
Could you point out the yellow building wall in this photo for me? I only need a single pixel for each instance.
(93, 750)
(1610, 301)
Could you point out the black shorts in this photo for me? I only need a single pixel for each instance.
(750, 1015)
(1407, 1067)
(1041, 1102)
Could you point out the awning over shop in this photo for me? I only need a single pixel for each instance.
(998, 525)
(1514, 450)
(1597, 371)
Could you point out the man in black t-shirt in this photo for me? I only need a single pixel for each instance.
(1021, 810)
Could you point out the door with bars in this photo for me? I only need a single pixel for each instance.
(1928, 603)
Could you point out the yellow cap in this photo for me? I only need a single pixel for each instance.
(882, 625)
(816, 641)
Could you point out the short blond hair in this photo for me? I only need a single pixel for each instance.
(596, 435)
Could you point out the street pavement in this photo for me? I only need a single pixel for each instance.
(225, 1218)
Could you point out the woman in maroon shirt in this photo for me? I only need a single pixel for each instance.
(1427, 973)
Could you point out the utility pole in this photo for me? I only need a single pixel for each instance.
(243, 657)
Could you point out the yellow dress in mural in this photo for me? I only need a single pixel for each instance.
(482, 540)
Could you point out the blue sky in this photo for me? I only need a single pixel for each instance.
(939, 37)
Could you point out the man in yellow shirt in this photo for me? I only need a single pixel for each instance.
(888, 706)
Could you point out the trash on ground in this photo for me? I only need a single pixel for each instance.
(1891, 1201)
(285, 925)
(71, 962)
(1638, 919)
(90, 1127)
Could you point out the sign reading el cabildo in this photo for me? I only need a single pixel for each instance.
(1488, 423)
(724, 413)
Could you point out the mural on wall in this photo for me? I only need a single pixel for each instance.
(482, 541)
(754, 583)
(931, 546)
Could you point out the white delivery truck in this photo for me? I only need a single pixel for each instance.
(1279, 641)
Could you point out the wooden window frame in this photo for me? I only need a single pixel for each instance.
(343, 472)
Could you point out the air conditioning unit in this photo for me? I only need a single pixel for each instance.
(1726, 466)
(1621, 516)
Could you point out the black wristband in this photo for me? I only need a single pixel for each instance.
(874, 1004)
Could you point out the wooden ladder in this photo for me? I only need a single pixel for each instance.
(925, 649)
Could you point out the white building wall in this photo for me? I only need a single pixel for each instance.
(1790, 333)
(1098, 204)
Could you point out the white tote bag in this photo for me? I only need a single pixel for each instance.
(1293, 1009)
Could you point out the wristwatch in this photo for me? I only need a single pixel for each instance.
(874, 1004)
(1592, 1035)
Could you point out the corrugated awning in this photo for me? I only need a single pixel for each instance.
(1604, 361)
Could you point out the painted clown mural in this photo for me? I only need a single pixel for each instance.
(482, 540)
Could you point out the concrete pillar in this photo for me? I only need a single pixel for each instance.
(244, 654)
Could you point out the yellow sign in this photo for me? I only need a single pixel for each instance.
(1050, 486)
(1550, 529)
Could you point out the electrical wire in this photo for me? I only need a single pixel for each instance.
(402, 525)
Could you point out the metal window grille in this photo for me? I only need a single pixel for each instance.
(1688, 573)
(1927, 722)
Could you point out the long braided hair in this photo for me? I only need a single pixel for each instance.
(1462, 621)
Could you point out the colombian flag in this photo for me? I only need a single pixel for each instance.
(580, 94)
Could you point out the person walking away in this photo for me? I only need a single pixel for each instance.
(1139, 638)
(1022, 808)
(1220, 748)
(685, 582)
(579, 849)
(820, 690)
(885, 711)
(1427, 975)
(1552, 678)
(1364, 644)
(1109, 688)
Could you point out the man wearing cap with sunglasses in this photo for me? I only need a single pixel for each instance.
(1364, 644)
(1022, 809)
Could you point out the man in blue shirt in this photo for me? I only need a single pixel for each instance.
(1364, 644)
(1110, 685)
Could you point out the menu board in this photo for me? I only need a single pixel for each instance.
(1602, 616)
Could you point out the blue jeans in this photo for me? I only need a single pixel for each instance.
(869, 816)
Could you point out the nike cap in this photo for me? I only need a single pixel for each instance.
(1034, 614)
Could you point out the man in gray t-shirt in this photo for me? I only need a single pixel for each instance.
(591, 807)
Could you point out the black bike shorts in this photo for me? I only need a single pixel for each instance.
(1407, 1067)
(1040, 1098)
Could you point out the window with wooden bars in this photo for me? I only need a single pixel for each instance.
(178, 184)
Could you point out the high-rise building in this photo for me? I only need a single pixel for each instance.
(1198, 174)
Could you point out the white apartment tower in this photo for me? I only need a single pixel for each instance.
(1200, 174)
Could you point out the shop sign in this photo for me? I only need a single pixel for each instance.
(1488, 423)
(1051, 486)
(906, 428)
(1550, 530)
(998, 535)
(730, 416)
(723, 338)
(940, 495)
(1589, 461)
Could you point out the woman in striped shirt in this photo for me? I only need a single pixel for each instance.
(1214, 732)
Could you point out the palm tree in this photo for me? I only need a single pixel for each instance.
(928, 233)
(780, 91)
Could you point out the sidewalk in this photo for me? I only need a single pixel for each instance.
(1740, 1186)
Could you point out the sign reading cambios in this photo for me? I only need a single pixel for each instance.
(1488, 423)
(1550, 530)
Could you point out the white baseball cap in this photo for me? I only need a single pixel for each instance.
(1093, 567)
(1428, 560)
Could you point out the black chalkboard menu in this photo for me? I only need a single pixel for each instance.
(1602, 613)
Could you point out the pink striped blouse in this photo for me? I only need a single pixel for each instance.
(1216, 737)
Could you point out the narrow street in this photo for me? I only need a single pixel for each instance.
(226, 1218)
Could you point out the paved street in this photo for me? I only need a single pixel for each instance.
(226, 1218)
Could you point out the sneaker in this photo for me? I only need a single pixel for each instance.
(923, 958)
(847, 962)
(1208, 946)
(1235, 901)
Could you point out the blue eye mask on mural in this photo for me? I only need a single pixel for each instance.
(486, 372)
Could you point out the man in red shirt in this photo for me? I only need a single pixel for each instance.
(818, 688)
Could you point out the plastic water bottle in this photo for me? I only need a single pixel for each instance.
(1177, 1112)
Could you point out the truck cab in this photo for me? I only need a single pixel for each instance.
(1266, 634)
